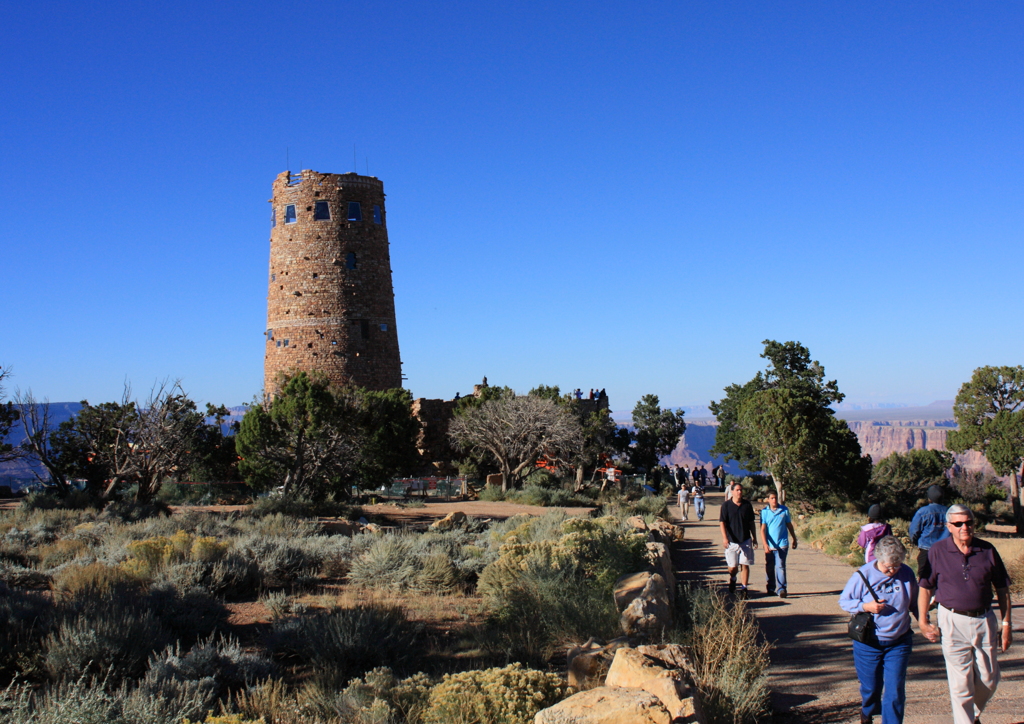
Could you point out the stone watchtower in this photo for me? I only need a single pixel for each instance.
(331, 306)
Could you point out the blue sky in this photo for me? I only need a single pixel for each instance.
(581, 194)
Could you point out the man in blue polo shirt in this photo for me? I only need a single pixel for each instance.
(927, 528)
(776, 526)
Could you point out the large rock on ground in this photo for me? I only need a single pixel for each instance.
(453, 519)
(650, 612)
(659, 670)
(661, 561)
(587, 664)
(629, 587)
(607, 705)
(665, 532)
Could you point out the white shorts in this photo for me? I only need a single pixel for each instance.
(740, 553)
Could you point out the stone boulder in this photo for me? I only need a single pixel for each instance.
(607, 705)
(452, 520)
(650, 612)
(661, 561)
(665, 532)
(587, 664)
(636, 521)
(661, 671)
(628, 587)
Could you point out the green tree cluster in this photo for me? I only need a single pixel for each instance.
(654, 434)
(901, 480)
(315, 440)
(989, 411)
(781, 422)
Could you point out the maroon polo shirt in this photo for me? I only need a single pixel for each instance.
(965, 582)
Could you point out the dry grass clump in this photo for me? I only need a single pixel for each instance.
(95, 580)
(730, 658)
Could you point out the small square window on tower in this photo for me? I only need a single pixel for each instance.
(383, 328)
(354, 212)
(378, 218)
(350, 260)
(286, 343)
(289, 214)
(322, 212)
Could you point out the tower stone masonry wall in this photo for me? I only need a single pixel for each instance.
(330, 304)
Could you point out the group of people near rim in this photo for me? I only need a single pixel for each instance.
(950, 596)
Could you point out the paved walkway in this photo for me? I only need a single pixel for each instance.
(812, 676)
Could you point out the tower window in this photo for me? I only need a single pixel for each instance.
(278, 343)
(322, 212)
(286, 343)
(289, 214)
(315, 275)
(364, 328)
(273, 218)
(350, 260)
(377, 217)
(270, 335)
(383, 328)
(354, 212)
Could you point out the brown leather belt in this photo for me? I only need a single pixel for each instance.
(976, 613)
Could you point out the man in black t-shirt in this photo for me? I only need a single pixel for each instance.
(737, 523)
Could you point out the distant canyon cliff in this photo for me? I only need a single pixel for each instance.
(921, 428)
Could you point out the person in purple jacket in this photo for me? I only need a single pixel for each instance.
(882, 668)
(872, 531)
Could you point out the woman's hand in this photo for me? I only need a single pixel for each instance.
(874, 606)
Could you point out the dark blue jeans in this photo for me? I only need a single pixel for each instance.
(775, 567)
(882, 673)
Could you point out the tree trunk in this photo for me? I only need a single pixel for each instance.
(579, 478)
(1017, 501)
(506, 473)
(778, 490)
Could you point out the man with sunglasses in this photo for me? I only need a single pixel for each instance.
(963, 570)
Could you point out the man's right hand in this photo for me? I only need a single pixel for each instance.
(725, 542)
(930, 631)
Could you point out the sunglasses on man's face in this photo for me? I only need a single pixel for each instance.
(961, 523)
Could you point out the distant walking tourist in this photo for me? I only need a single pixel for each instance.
(776, 527)
(872, 531)
(697, 495)
(928, 527)
(684, 502)
(720, 477)
(963, 570)
(737, 523)
(882, 664)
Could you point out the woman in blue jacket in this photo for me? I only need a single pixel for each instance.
(882, 668)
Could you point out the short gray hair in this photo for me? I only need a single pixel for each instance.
(890, 550)
(959, 510)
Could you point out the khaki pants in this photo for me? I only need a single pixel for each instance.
(969, 647)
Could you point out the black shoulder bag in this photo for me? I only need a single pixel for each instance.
(862, 625)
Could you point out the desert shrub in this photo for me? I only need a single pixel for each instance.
(111, 640)
(24, 620)
(51, 500)
(512, 695)
(548, 497)
(60, 551)
(348, 641)
(90, 701)
(387, 563)
(270, 702)
(17, 576)
(557, 573)
(215, 666)
(730, 659)
(561, 607)
(491, 494)
(187, 615)
(298, 508)
(378, 697)
(233, 576)
(277, 603)
(95, 580)
(129, 511)
(438, 574)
